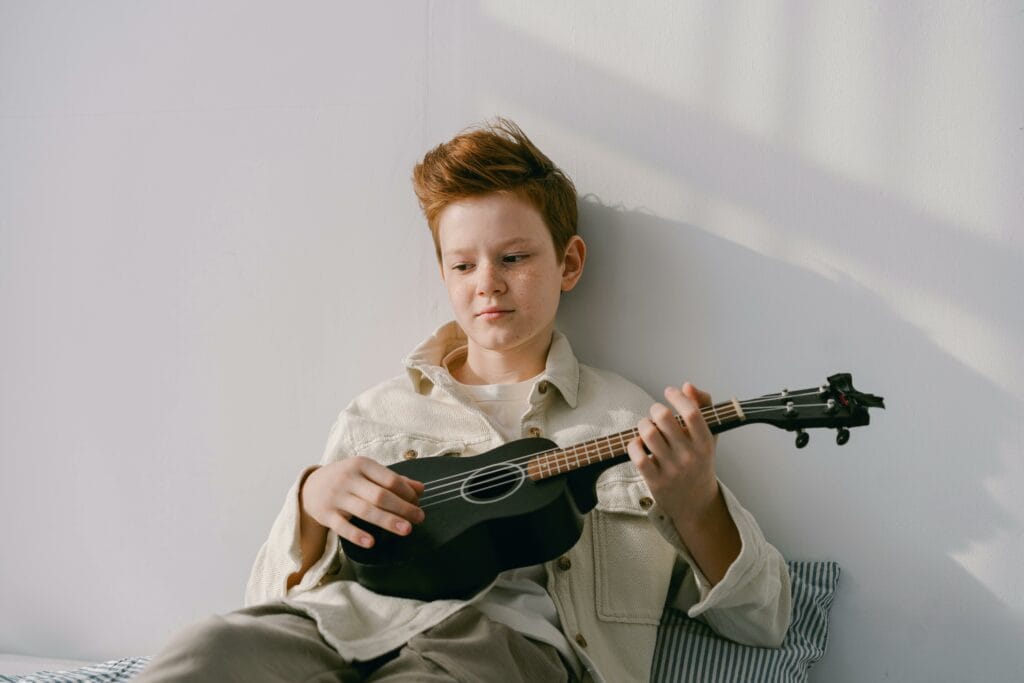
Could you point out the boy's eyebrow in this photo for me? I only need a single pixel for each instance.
(513, 242)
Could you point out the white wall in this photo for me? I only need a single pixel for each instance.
(208, 235)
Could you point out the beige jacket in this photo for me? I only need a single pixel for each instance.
(610, 589)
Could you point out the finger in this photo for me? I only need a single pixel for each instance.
(644, 463)
(652, 438)
(665, 420)
(387, 500)
(691, 414)
(389, 479)
(349, 531)
(702, 398)
(417, 486)
(357, 506)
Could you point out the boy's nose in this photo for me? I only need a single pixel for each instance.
(489, 280)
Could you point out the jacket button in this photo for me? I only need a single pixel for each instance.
(646, 502)
(564, 563)
(542, 387)
(410, 454)
(580, 640)
(534, 432)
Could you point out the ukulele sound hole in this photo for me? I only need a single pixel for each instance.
(492, 483)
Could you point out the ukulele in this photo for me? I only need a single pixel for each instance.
(523, 503)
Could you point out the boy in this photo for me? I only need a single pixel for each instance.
(503, 218)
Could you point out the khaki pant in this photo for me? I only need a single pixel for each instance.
(275, 642)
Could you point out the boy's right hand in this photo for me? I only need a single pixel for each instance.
(363, 488)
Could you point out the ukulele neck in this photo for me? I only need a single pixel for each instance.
(719, 417)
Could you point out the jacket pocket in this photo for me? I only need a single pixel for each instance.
(632, 562)
(395, 448)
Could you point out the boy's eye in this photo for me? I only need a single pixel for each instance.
(461, 266)
(514, 258)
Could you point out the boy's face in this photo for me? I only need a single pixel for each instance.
(504, 281)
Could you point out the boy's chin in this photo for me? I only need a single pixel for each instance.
(494, 341)
(501, 340)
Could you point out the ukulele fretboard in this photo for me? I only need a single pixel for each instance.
(558, 461)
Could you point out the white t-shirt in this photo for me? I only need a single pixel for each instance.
(518, 599)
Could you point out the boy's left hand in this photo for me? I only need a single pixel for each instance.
(680, 469)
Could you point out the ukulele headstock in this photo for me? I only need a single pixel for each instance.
(836, 405)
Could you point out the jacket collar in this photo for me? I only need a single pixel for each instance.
(426, 362)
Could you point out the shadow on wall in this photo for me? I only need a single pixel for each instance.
(848, 276)
(661, 302)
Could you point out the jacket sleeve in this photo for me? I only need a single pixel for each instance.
(752, 603)
(281, 554)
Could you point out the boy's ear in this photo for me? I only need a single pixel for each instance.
(572, 264)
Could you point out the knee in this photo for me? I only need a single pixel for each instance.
(197, 652)
(214, 634)
(207, 639)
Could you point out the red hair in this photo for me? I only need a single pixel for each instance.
(496, 157)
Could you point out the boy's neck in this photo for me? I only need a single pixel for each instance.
(484, 366)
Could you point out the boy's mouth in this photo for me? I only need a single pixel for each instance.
(493, 313)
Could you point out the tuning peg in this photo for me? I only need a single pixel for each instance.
(802, 438)
(842, 435)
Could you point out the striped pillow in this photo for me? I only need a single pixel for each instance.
(688, 650)
(114, 671)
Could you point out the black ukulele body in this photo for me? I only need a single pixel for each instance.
(484, 515)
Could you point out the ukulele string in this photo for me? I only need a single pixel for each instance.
(604, 450)
(439, 487)
(775, 397)
(729, 412)
(581, 450)
(499, 481)
(503, 478)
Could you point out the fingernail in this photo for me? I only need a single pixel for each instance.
(366, 541)
(403, 527)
